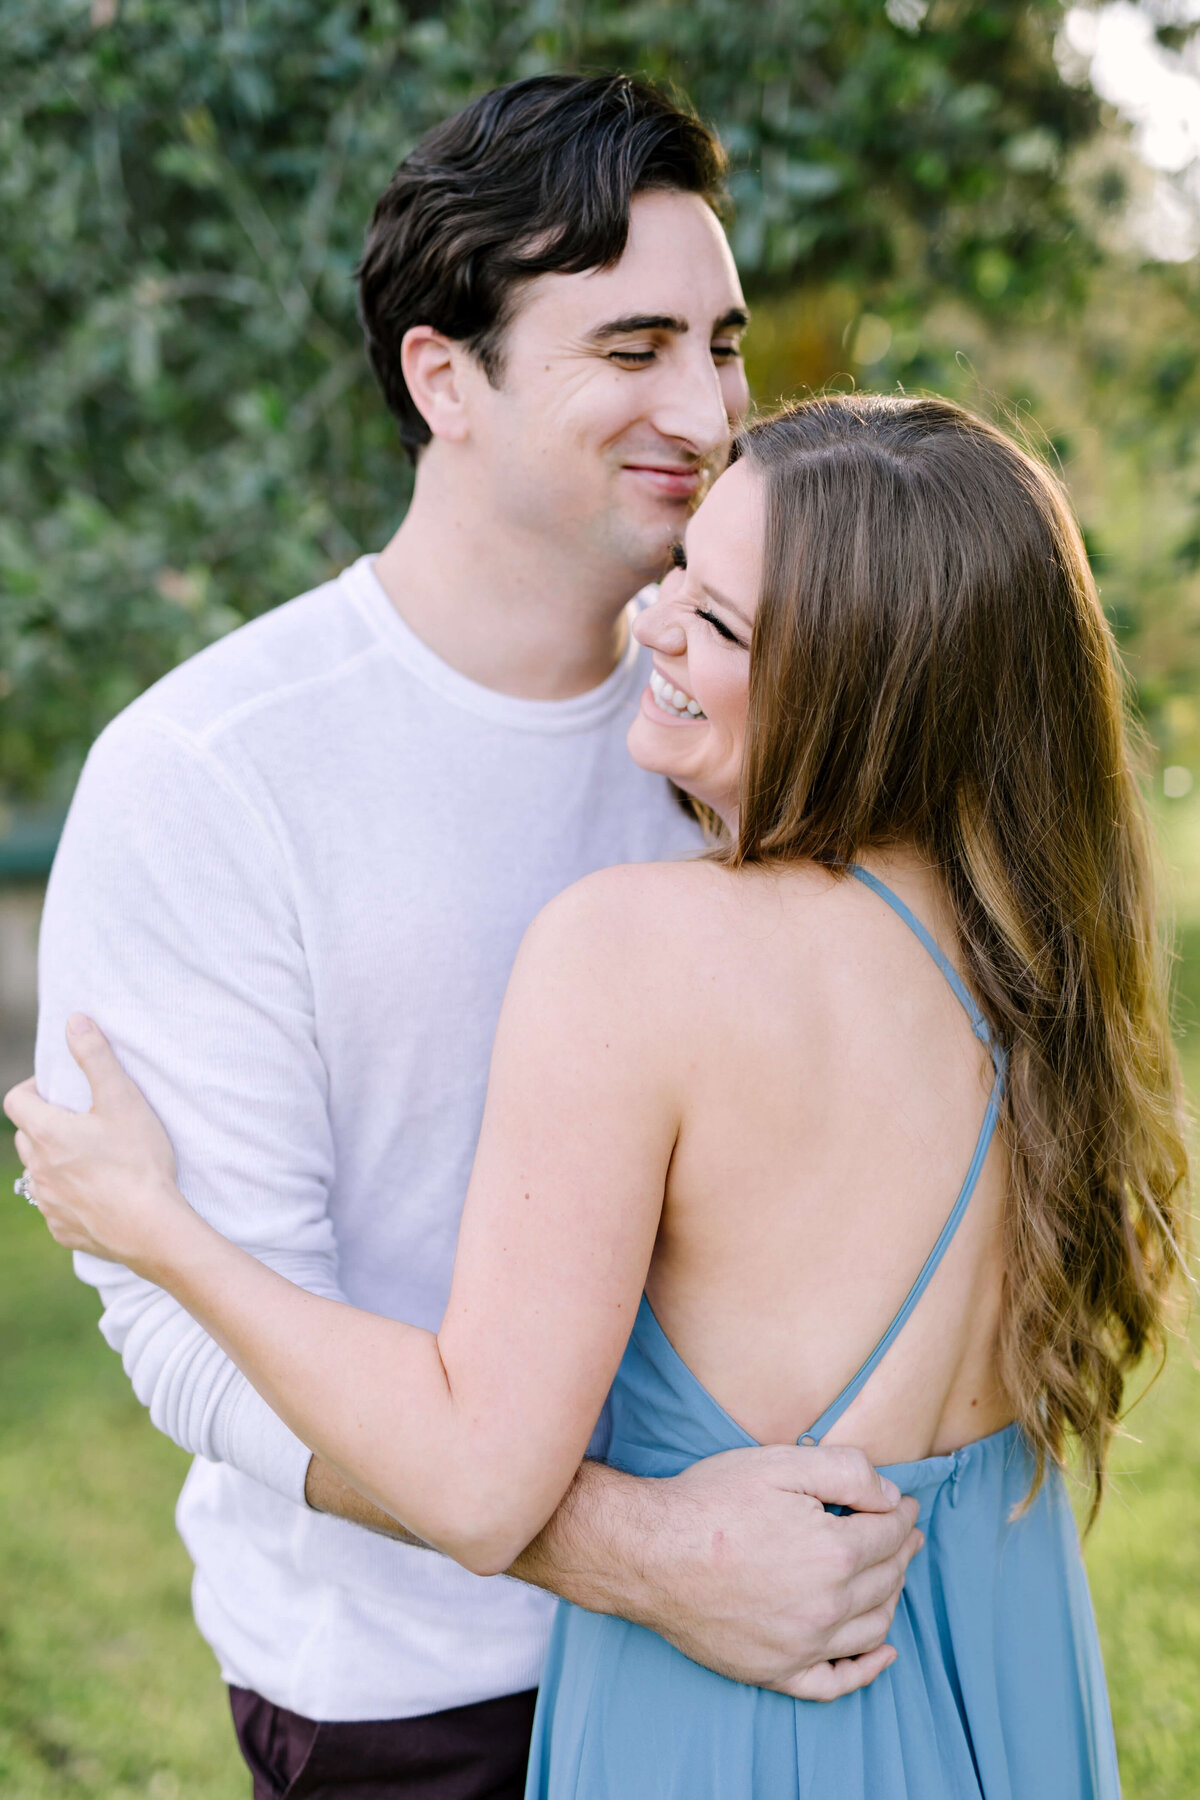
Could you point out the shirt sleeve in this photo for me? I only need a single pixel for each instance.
(170, 920)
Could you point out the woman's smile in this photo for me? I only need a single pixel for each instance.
(698, 629)
(678, 705)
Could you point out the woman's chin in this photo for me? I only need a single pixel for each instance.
(658, 750)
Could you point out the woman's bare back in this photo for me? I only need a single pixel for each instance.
(833, 1093)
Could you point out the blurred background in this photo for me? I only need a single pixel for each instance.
(994, 200)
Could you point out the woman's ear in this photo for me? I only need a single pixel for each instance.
(431, 366)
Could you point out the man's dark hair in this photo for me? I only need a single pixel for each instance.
(533, 178)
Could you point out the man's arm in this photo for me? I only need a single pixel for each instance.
(168, 917)
(734, 1562)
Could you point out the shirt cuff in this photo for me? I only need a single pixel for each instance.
(260, 1445)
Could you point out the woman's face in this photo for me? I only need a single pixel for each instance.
(691, 725)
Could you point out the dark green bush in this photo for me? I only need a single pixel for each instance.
(189, 433)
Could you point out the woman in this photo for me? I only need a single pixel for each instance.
(731, 1105)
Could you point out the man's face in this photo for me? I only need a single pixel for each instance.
(617, 392)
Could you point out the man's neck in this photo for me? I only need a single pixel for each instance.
(514, 613)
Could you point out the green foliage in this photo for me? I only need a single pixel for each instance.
(1115, 403)
(189, 433)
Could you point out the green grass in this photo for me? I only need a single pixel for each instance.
(1144, 1563)
(1144, 1554)
(107, 1692)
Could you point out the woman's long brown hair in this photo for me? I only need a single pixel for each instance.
(931, 666)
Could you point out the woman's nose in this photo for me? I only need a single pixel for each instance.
(657, 633)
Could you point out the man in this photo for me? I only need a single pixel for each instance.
(291, 886)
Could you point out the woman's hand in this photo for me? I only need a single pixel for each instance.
(104, 1180)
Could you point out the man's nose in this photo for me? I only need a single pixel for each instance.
(691, 407)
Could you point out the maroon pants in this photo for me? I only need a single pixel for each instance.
(468, 1753)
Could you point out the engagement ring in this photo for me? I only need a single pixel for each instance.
(23, 1185)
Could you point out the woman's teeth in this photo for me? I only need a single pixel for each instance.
(672, 699)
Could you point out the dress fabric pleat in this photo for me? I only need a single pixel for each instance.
(997, 1692)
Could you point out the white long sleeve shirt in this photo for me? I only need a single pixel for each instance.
(291, 886)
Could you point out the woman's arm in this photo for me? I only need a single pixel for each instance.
(472, 1435)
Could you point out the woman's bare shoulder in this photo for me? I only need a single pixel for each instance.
(638, 895)
(661, 912)
(613, 924)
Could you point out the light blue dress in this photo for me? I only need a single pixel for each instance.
(997, 1692)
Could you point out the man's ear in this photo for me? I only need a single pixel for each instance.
(432, 365)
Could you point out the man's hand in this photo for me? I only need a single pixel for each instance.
(738, 1565)
(735, 1562)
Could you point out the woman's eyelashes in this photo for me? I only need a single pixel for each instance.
(719, 626)
(679, 561)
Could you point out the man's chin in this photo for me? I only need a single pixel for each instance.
(641, 536)
(648, 553)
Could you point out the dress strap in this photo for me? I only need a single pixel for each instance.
(987, 1131)
(966, 999)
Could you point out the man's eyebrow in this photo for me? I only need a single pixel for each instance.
(734, 320)
(632, 322)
